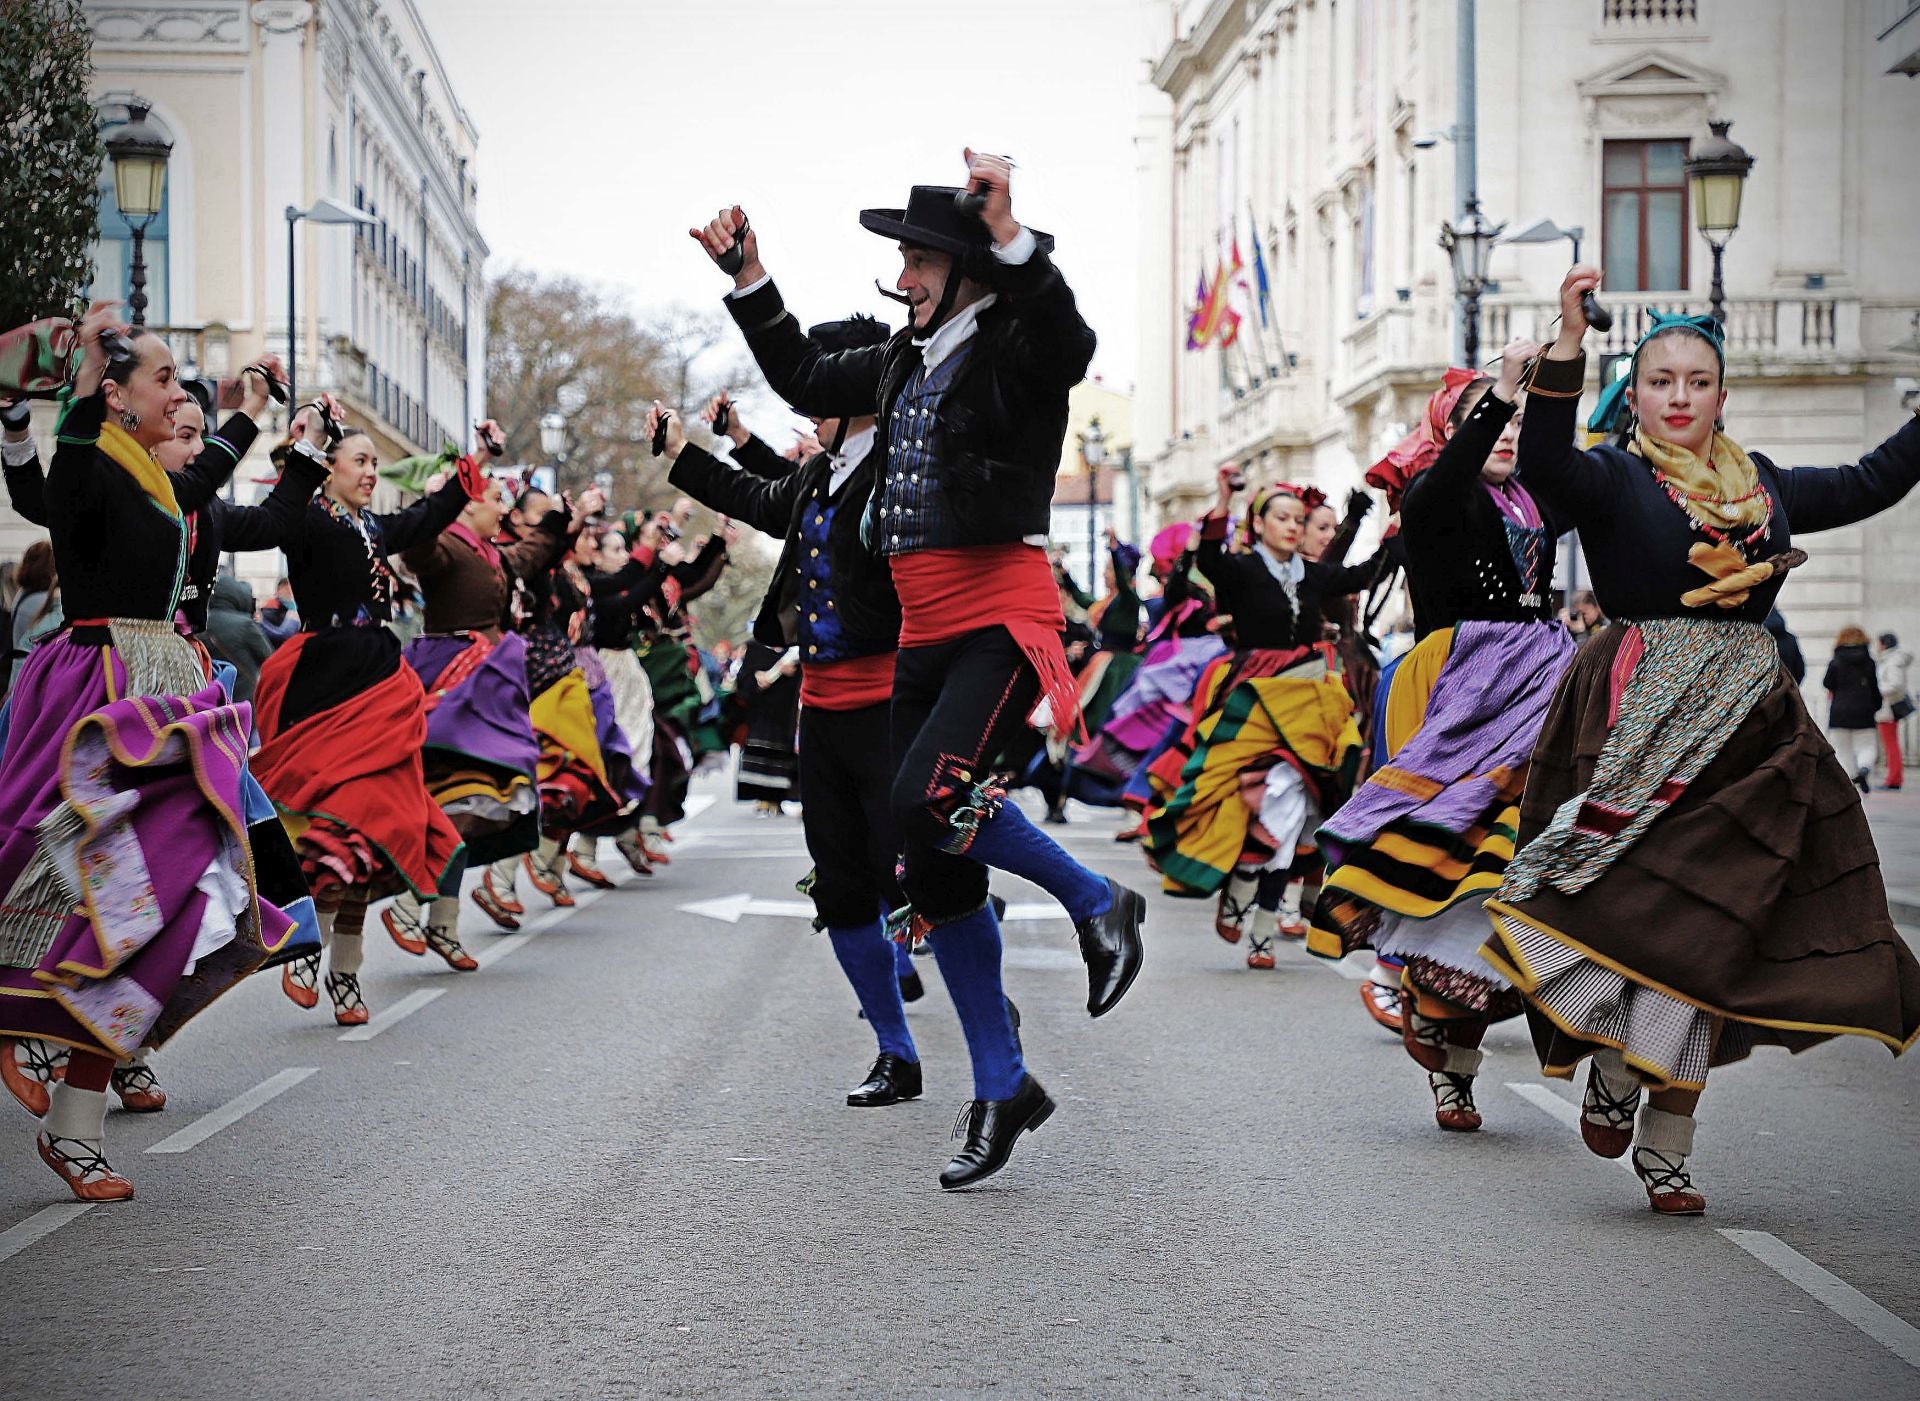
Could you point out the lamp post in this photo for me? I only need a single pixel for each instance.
(1093, 452)
(1716, 175)
(139, 154)
(1546, 231)
(1469, 247)
(553, 441)
(326, 210)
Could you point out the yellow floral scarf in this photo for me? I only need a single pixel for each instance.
(1723, 494)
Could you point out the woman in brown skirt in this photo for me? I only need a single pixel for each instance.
(1696, 876)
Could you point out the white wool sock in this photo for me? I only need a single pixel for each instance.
(503, 871)
(80, 1114)
(1611, 1066)
(1661, 1132)
(1384, 974)
(444, 914)
(548, 855)
(1463, 1060)
(586, 848)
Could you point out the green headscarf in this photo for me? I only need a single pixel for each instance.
(1610, 415)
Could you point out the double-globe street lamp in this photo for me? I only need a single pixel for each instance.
(139, 154)
(325, 210)
(1717, 175)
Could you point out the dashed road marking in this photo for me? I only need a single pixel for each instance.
(43, 1222)
(234, 1110)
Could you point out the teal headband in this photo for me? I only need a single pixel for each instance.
(1610, 414)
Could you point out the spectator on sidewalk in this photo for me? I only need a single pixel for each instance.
(279, 619)
(37, 612)
(1789, 646)
(1584, 617)
(1853, 695)
(1895, 704)
(234, 636)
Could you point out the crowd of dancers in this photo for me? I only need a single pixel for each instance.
(1642, 843)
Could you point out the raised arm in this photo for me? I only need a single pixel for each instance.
(767, 506)
(538, 552)
(400, 531)
(1574, 486)
(1456, 471)
(754, 456)
(1343, 580)
(1824, 498)
(268, 525)
(200, 480)
(26, 478)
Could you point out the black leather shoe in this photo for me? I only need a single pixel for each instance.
(992, 1126)
(1110, 943)
(891, 1080)
(911, 988)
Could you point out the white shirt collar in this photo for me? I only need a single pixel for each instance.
(957, 331)
(852, 453)
(1290, 571)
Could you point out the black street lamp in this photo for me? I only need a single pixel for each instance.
(325, 210)
(1470, 247)
(1093, 452)
(139, 154)
(1717, 174)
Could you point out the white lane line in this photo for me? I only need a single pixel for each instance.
(234, 1110)
(43, 1222)
(696, 805)
(400, 1010)
(1892, 1332)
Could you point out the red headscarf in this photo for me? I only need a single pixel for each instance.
(1414, 453)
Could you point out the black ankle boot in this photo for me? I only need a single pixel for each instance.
(891, 1080)
(992, 1126)
(1110, 943)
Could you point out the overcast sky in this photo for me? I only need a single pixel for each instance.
(608, 126)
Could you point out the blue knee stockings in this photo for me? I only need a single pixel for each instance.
(1008, 842)
(968, 952)
(866, 954)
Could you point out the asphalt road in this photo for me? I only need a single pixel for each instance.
(617, 1162)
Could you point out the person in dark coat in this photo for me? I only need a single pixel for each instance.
(1853, 695)
(233, 635)
(1789, 645)
(970, 408)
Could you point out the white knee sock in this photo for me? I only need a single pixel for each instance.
(444, 915)
(80, 1114)
(503, 871)
(586, 848)
(1463, 1060)
(1611, 1067)
(548, 856)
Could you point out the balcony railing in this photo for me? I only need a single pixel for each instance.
(1648, 12)
(1755, 325)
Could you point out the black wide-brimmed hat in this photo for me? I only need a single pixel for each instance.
(932, 220)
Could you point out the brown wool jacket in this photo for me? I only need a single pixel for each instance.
(465, 592)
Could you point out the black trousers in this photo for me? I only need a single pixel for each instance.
(957, 708)
(846, 777)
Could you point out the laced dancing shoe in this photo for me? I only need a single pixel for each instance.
(1669, 1185)
(1260, 953)
(628, 844)
(28, 1067)
(990, 1127)
(138, 1088)
(1453, 1107)
(1606, 1119)
(1383, 1004)
(502, 912)
(448, 946)
(1232, 915)
(87, 1175)
(403, 923)
(300, 981)
(349, 1007)
(1292, 925)
(588, 872)
(549, 881)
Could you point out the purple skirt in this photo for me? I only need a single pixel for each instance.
(146, 911)
(485, 717)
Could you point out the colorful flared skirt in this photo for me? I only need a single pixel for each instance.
(342, 724)
(481, 759)
(130, 896)
(1696, 874)
(1416, 851)
(1301, 719)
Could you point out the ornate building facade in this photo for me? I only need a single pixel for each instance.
(1327, 125)
(282, 103)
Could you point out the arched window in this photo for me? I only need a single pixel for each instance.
(113, 249)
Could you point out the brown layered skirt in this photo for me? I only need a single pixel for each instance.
(1750, 912)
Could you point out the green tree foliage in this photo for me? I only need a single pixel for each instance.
(49, 176)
